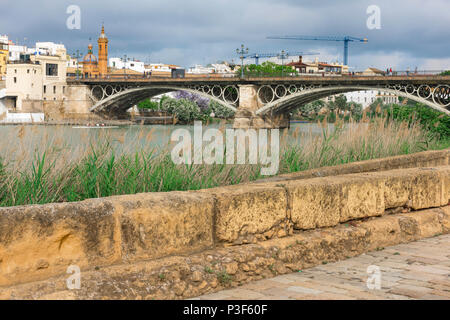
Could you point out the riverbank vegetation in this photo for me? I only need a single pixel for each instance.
(188, 107)
(106, 166)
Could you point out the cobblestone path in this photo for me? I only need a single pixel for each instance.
(417, 270)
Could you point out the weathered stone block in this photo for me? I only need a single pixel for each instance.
(325, 202)
(362, 196)
(426, 189)
(315, 203)
(424, 225)
(398, 186)
(382, 232)
(155, 225)
(40, 241)
(248, 213)
(445, 174)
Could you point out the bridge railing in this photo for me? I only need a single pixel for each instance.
(248, 75)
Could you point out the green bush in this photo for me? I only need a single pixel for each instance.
(148, 104)
(435, 122)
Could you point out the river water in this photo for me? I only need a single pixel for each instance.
(17, 140)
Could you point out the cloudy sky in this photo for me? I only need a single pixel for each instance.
(414, 33)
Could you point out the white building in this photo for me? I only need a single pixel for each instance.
(221, 68)
(199, 69)
(72, 62)
(39, 78)
(4, 38)
(48, 48)
(134, 65)
(367, 97)
(159, 67)
(16, 50)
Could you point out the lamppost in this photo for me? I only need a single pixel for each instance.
(242, 52)
(77, 56)
(282, 55)
(124, 60)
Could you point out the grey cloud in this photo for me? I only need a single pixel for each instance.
(203, 31)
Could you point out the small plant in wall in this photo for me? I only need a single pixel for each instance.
(224, 278)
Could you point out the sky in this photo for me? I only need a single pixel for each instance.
(412, 33)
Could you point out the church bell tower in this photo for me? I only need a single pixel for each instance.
(103, 53)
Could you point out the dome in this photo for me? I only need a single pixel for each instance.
(90, 57)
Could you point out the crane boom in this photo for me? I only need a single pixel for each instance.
(256, 56)
(345, 39)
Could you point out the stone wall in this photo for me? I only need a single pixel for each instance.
(39, 242)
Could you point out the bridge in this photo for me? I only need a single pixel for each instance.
(262, 101)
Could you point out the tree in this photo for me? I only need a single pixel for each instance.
(445, 73)
(309, 109)
(377, 106)
(202, 102)
(341, 103)
(185, 110)
(148, 104)
(267, 68)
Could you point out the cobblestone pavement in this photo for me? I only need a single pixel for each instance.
(417, 270)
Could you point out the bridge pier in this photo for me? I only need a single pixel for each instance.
(246, 116)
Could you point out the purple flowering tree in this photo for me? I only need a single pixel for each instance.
(203, 103)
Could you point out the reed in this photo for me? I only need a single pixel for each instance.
(60, 170)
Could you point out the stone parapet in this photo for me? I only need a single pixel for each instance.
(41, 241)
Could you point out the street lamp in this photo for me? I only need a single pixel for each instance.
(242, 52)
(124, 60)
(282, 55)
(77, 56)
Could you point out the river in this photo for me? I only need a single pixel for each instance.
(18, 140)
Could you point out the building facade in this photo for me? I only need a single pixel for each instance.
(24, 87)
(4, 53)
(35, 79)
(135, 65)
(367, 97)
(318, 67)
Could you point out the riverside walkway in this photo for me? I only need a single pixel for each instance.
(417, 270)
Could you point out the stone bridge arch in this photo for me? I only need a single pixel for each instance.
(116, 99)
(279, 100)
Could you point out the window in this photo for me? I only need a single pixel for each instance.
(34, 71)
(64, 89)
(45, 89)
(15, 70)
(54, 89)
(15, 80)
(51, 69)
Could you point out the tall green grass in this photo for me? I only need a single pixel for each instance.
(55, 173)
